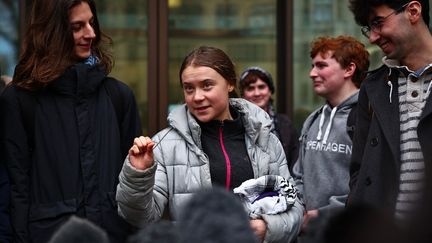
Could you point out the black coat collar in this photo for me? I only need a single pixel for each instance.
(78, 80)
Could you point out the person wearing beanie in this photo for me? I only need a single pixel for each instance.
(256, 86)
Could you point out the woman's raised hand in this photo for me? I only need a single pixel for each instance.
(141, 153)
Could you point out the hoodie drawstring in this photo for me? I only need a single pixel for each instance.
(321, 123)
(333, 112)
(329, 125)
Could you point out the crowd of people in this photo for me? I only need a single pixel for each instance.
(75, 166)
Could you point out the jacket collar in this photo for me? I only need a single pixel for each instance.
(79, 80)
(230, 127)
(256, 121)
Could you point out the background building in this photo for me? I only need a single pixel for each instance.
(151, 37)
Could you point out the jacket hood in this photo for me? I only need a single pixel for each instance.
(326, 113)
(256, 121)
(349, 102)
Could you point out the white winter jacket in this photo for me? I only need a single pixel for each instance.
(182, 168)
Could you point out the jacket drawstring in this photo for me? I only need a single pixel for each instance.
(321, 123)
(391, 90)
(389, 83)
(333, 112)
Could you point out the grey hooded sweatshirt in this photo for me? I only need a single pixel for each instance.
(322, 170)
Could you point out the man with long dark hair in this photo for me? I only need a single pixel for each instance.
(68, 126)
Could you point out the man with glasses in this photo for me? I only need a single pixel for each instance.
(392, 146)
(376, 24)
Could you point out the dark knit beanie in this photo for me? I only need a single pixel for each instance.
(259, 72)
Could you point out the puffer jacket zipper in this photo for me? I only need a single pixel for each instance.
(227, 160)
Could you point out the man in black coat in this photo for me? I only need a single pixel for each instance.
(392, 150)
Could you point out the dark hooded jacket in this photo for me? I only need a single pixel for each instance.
(67, 161)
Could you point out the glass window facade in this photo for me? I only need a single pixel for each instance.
(245, 30)
(126, 23)
(314, 18)
(151, 38)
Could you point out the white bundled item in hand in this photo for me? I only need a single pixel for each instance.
(270, 194)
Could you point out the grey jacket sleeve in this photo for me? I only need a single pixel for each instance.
(284, 227)
(139, 200)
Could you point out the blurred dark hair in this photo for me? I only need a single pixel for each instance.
(214, 216)
(363, 8)
(160, 232)
(48, 46)
(215, 59)
(79, 230)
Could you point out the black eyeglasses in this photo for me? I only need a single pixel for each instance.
(376, 24)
